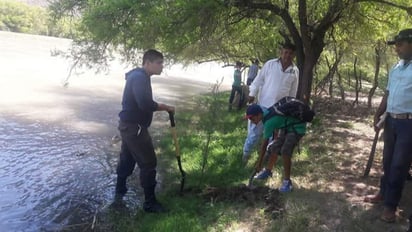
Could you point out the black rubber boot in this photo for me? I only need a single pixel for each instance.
(151, 205)
(121, 186)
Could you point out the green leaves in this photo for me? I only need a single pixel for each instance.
(225, 30)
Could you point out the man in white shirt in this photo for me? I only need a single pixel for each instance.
(278, 78)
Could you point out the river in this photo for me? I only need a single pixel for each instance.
(57, 159)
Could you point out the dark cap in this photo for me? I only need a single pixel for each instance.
(404, 35)
(253, 110)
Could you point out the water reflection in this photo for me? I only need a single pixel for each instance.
(52, 177)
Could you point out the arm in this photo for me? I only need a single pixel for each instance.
(142, 92)
(262, 152)
(381, 109)
(253, 136)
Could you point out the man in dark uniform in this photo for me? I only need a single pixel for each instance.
(135, 118)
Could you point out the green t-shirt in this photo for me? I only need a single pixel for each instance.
(282, 122)
(237, 78)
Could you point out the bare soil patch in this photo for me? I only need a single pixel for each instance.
(348, 134)
(248, 196)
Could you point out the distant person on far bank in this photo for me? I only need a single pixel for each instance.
(397, 150)
(253, 71)
(237, 86)
(135, 118)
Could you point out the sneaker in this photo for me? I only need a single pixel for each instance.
(286, 186)
(154, 207)
(264, 174)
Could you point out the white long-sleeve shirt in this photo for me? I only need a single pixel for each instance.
(272, 83)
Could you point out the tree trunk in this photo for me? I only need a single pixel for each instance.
(306, 67)
(306, 81)
(355, 62)
(328, 79)
(360, 80)
(333, 70)
(341, 89)
(378, 57)
(331, 74)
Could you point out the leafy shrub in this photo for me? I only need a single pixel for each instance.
(20, 17)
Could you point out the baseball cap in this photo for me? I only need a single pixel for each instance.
(253, 110)
(404, 35)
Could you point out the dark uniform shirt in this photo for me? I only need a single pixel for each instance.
(137, 103)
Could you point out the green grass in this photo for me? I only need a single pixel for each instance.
(211, 141)
(211, 137)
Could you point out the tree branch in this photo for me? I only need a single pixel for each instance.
(408, 9)
(332, 16)
(303, 20)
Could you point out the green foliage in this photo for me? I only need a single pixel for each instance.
(203, 30)
(185, 30)
(374, 26)
(214, 142)
(20, 17)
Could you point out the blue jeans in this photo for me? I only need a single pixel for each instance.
(397, 157)
(254, 134)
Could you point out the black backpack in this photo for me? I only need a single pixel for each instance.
(291, 107)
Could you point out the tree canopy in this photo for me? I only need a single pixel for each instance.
(229, 30)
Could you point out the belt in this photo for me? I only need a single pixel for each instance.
(401, 116)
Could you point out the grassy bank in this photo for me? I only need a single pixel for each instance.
(326, 173)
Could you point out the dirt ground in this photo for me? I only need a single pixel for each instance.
(351, 127)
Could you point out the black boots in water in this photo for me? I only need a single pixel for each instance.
(151, 205)
(121, 186)
(154, 207)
